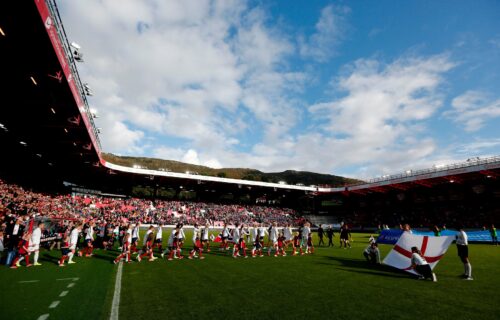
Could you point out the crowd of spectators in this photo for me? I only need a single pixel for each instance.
(18, 202)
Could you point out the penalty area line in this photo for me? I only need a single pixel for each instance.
(116, 296)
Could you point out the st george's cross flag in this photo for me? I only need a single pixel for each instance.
(432, 250)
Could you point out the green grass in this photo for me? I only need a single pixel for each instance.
(332, 283)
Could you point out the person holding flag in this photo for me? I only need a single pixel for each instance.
(372, 253)
(421, 267)
(463, 252)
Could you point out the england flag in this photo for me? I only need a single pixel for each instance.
(432, 250)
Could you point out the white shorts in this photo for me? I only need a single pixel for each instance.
(72, 247)
(34, 248)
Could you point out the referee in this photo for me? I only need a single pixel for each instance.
(463, 252)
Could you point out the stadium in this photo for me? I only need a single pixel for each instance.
(54, 172)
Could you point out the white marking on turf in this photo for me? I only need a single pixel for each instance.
(54, 304)
(71, 285)
(116, 296)
(43, 317)
(63, 294)
(29, 281)
(66, 279)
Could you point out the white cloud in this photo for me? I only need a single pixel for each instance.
(216, 75)
(119, 138)
(188, 156)
(377, 123)
(329, 32)
(479, 146)
(185, 69)
(473, 109)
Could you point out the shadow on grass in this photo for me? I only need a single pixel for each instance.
(363, 266)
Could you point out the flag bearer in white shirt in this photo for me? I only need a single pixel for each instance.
(421, 266)
(463, 252)
(372, 253)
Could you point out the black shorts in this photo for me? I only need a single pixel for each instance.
(65, 251)
(463, 251)
(424, 270)
(158, 240)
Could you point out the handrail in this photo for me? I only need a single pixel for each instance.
(436, 168)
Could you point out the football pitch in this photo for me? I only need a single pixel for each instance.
(329, 284)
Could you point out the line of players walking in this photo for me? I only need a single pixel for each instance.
(243, 240)
(234, 238)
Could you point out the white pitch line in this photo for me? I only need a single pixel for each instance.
(29, 281)
(54, 304)
(43, 317)
(66, 279)
(63, 294)
(72, 284)
(116, 296)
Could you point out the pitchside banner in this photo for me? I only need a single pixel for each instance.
(431, 248)
(392, 236)
(389, 236)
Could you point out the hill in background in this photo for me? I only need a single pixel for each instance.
(289, 176)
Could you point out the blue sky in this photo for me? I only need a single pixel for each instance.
(355, 88)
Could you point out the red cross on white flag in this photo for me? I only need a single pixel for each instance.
(431, 248)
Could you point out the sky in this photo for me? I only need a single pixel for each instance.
(353, 88)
